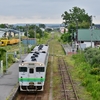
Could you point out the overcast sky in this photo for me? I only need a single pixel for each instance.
(44, 11)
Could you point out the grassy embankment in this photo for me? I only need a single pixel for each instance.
(81, 73)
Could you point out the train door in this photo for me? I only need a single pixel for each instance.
(31, 73)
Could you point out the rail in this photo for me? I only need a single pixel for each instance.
(29, 96)
(68, 88)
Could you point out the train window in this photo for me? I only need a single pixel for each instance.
(22, 69)
(31, 70)
(39, 69)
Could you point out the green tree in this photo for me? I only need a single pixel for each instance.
(66, 37)
(46, 34)
(31, 33)
(38, 30)
(3, 55)
(42, 25)
(3, 26)
(38, 35)
(78, 17)
(48, 29)
(21, 28)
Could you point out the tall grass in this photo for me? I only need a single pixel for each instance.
(90, 81)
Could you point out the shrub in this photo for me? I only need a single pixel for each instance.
(85, 82)
(95, 71)
(98, 78)
(92, 55)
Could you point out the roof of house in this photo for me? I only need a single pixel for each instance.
(9, 30)
(88, 35)
(1, 33)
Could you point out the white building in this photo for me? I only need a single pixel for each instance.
(62, 29)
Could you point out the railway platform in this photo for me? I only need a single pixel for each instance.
(68, 49)
(9, 81)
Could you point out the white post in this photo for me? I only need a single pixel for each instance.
(1, 67)
(6, 62)
(19, 45)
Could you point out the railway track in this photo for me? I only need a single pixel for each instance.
(68, 91)
(30, 96)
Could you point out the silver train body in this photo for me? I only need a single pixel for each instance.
(32, 70)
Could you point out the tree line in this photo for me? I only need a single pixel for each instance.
(31, 30)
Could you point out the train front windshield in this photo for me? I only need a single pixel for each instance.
(22, 69)
(40, 69)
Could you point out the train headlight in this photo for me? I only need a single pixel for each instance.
(21, 79)
(22, 64)
(39, 82)
(41, 64)
(31, 83)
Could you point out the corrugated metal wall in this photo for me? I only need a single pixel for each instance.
(29, 41)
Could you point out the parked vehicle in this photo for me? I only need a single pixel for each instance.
(4, 42)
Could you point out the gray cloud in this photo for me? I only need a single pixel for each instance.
(45, 9)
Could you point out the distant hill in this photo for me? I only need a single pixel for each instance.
(50, 25)
(47, 25)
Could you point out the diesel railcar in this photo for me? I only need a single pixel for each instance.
(32, 70)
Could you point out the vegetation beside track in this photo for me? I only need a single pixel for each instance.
(8, 48)
(80, 71)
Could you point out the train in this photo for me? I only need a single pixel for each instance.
(4, 42)
(32, 69)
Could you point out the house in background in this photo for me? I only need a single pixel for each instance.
(62, 29)
(87, 38)
(6, 32)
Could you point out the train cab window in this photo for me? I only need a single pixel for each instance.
(40, 69)
(31, 70)
(22, 69)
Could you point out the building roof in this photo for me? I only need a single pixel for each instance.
(1, 33)
(88, 35)
(9, 30)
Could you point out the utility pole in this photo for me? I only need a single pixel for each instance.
(27, 36)
(76, 38)
(91, 31)
(19, 44)
(91, 28)
(76, 29)
(72, 37)
(35, 34)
